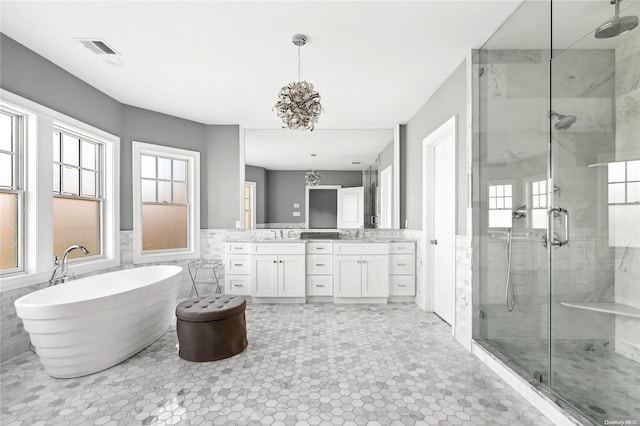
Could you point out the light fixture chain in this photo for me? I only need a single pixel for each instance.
(298, 64)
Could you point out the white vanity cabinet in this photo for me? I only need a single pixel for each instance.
(278, 270)
(402, 268)
(320, 269)
(237, 267)
(361, 270)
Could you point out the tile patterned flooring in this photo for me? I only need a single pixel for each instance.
(305, 364)
(602, 384)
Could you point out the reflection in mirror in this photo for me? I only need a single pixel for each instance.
(275, 193)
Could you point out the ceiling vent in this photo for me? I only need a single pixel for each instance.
(98, 46)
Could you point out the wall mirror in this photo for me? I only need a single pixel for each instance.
(358, 188)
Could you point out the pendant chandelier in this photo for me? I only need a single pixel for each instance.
(298, 104)
(312, 177)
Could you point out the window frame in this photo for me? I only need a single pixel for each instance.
(39, 122)
(193, 202)
(18, 153)
(100, 172)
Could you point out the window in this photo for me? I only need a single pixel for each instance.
(539, 204)
(77, 201)
(166, 196)
(500, 204)
(623, 182)
(55, 194)
(11, 192)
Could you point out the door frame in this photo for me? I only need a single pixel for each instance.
(446, 130)
(386, 173)
(306, 199)
(252, 203)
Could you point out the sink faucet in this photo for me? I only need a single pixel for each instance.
(61, 272)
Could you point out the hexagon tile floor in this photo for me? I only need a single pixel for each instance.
(305, 364)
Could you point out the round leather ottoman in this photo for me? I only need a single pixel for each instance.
(211, 327)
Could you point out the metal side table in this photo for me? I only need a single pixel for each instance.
(201, 266)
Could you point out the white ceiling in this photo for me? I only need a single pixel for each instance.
(374, 63)
(335, 149)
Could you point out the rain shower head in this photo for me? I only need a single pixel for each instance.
(617, 25)
(564, 121)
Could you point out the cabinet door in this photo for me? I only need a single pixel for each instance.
(291, 276)
(351, 207)
(264, 279)
(348, 275)
(375, 276)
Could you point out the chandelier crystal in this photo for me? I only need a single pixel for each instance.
(312, 177)
(298, 103)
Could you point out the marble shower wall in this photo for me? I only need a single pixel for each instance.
(627, 259)
(513, 136)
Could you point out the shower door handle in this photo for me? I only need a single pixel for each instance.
(557, 212)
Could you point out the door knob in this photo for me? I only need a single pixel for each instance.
(434, 242)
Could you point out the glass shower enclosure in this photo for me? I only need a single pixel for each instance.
(559, 193)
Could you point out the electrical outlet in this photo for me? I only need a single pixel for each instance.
(296, 205)
(237, 224)
(296, 213)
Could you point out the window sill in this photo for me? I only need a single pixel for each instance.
(28, 279)
(165, 257)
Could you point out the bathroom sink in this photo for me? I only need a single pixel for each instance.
(319, 235)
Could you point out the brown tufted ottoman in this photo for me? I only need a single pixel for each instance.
(211, 327)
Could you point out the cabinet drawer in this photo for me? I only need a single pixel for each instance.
(238, 284)
(279, 248)
(361, 248)
(318, 264)
(320, 248)
(402, 285)
(319, 285)
(237, 264)
(402, 264)
(237, 248)
(408, 247)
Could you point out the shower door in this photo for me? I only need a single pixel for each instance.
(594, 218)
(513, 180)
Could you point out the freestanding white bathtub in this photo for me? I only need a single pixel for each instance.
(84, 326)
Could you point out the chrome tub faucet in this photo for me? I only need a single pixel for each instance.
(61, 271)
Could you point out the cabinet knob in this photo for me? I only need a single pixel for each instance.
(281, 261)
(275, 261)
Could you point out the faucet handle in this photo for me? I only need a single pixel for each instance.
(56, 260)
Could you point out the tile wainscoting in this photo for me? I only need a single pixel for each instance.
(14, 340)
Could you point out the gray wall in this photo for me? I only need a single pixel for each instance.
(142, 125)
(449, 100)
(323, 209)
(286, 187)
(385, 158)
(25, 73)
(259, 176)
(223, 163)
(31, 76)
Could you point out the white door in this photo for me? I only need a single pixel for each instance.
(351, 207)
(348, 276)
(386, 203)
(264, 279)
(291, 276)
(375, 276)
(439, 222)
